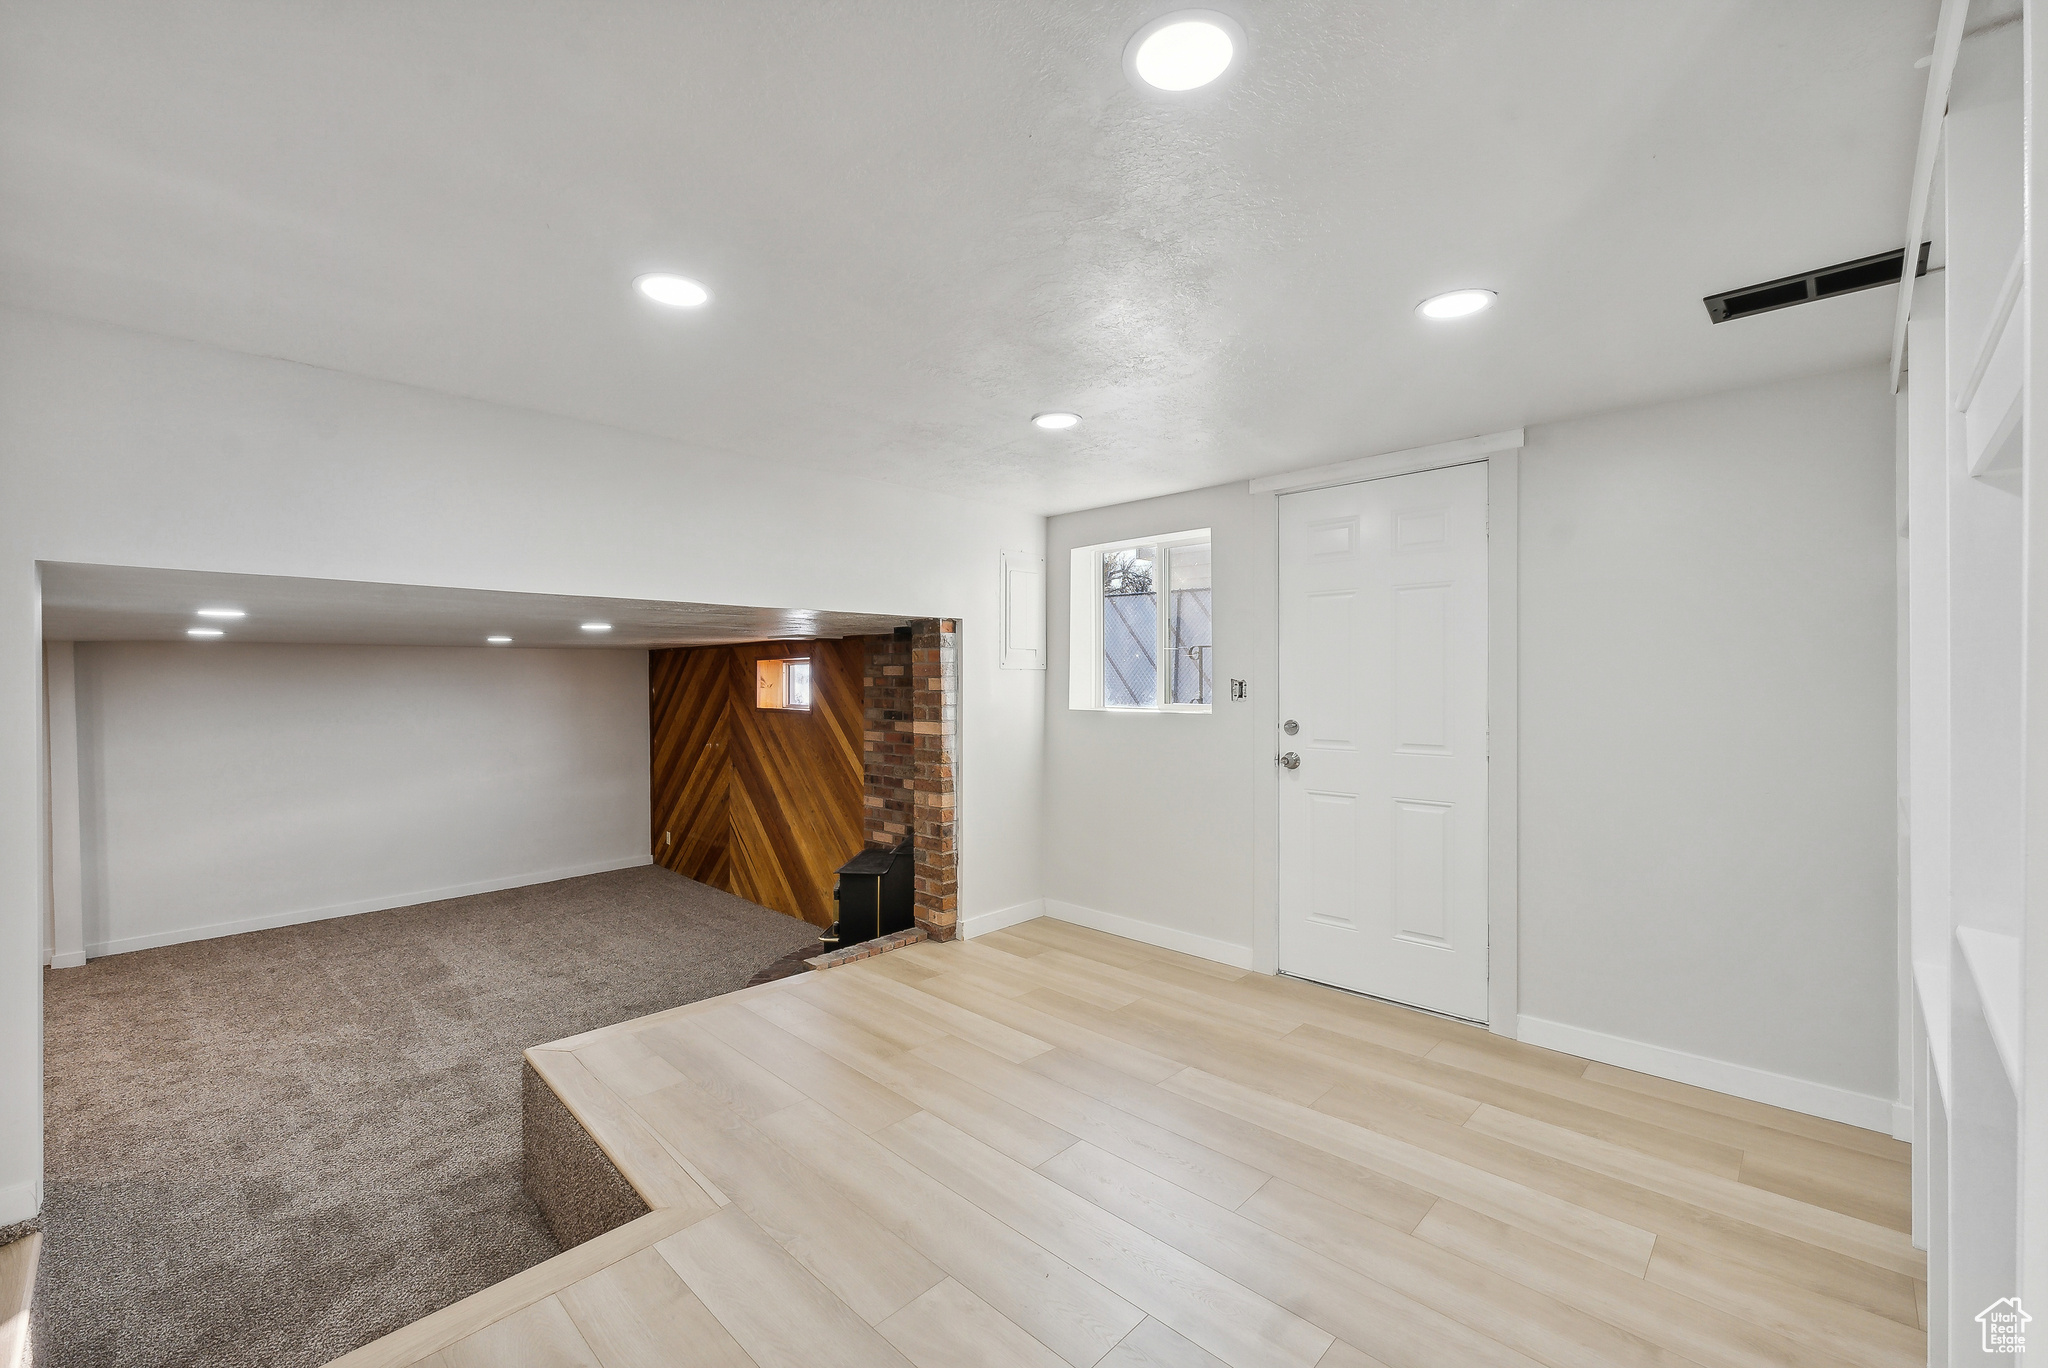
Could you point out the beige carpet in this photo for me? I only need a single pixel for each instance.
(268, 1149)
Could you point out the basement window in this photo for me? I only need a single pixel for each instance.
(1143, 634)
(783, 685)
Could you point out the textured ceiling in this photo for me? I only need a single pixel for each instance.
(128, 603)
(925, 220)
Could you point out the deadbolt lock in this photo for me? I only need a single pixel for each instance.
(1290, 726)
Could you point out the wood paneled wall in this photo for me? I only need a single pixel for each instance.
(761, 803)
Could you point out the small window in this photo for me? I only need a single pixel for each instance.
(784, 685)
(1143, 634)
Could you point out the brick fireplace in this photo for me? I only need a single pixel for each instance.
(911, 707)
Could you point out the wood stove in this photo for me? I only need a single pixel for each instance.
(874, 896)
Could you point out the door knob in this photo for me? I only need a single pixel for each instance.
(1290, 761)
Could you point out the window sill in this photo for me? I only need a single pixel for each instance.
(1170, 710)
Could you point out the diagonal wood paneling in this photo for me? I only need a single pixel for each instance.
(763, 804)
(688, 743)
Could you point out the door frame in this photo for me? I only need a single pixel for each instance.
(1502, 454)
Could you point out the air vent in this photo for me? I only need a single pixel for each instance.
(1865, 274)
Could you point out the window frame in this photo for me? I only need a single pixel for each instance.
(1085, 690)
(791, 665)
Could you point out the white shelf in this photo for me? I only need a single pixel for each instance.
(1994, 963)
(1931, 982)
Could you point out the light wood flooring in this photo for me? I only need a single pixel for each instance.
(1049, 1146)
(17, 1287)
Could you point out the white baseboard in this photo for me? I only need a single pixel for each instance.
(1737, 1080)
(984, 922)
(1902, 1121)
(20, 1201)
(1151, 933)
(349, 909)
(74, 960)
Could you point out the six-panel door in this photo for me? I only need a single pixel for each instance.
(1383, 668)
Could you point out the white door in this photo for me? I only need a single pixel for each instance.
(1383, 675)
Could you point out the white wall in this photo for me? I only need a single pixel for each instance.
(1707, 753)
(1707, 706)
(122, 448)
(227, 788)
(1149, 817)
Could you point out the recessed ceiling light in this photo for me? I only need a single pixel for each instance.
(1456, 304)
(673, 290)
(499, 641)
(204, 632)
(597, 626)
(1054, 422)
(1183, 51)
(222, 613)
